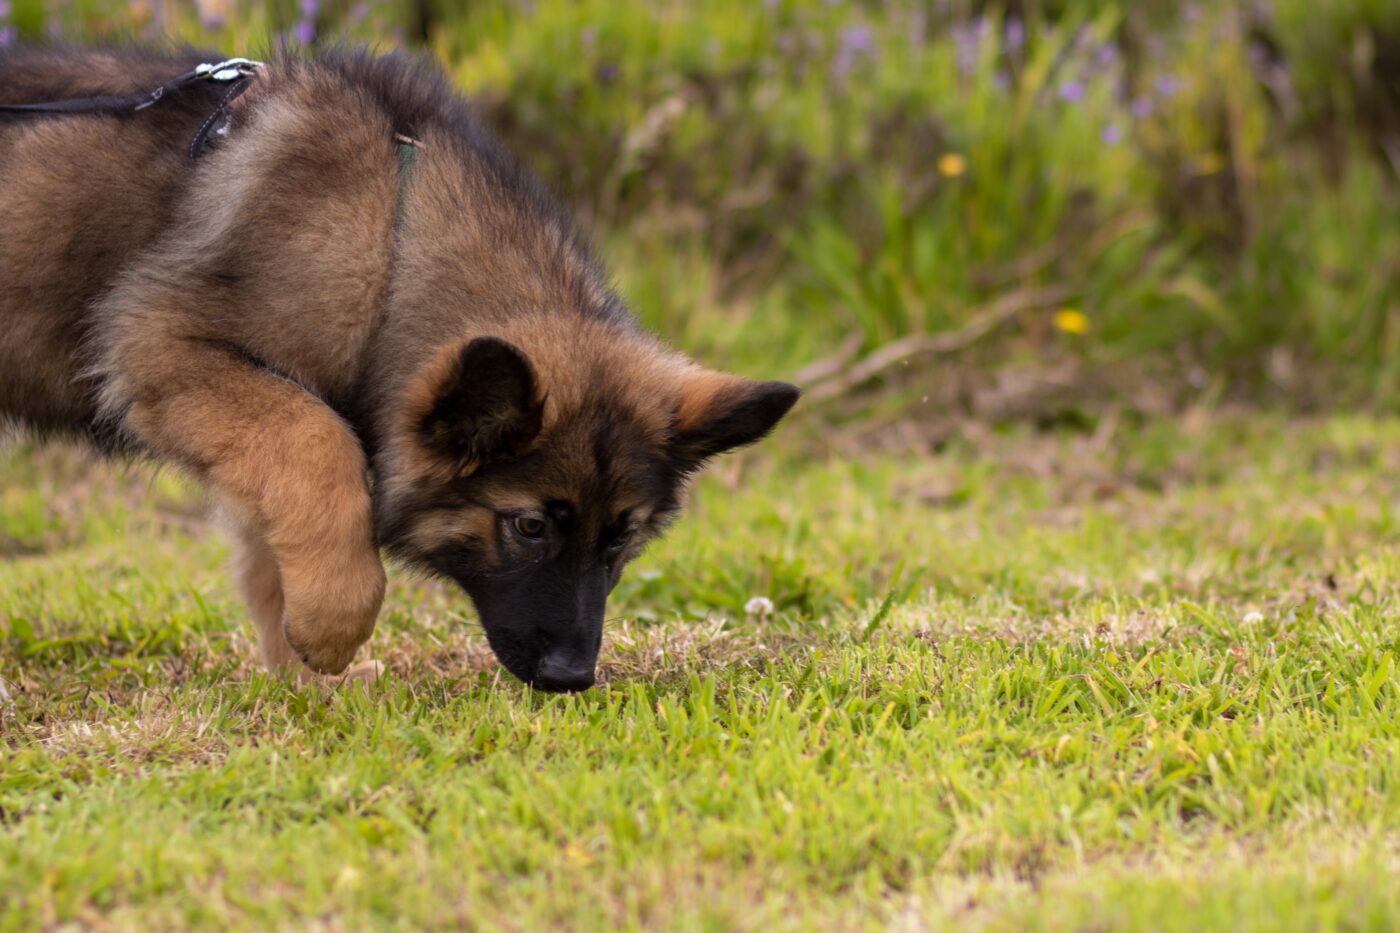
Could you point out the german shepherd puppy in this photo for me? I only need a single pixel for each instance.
(351, 351)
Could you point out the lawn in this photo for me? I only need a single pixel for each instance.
(1136, 676)
(1033, 616)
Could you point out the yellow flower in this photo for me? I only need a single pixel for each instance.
(1072, 321)
(577, 854)
(952, 164)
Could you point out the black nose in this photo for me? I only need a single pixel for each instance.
(559, 674)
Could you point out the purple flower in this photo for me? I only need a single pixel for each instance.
(4, 9)
(212, 13)
(7, 35)
(1168, 85)
(1142, 107)
(965, 48)
(359, 12)
(1072, 91)
(857, 42)
(1106, 55)
(918, 28)
(1015, 35)
(305, 30)
(1112, 134)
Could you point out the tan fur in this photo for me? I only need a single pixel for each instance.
(438, 529)
(702, 390)
(261, 585)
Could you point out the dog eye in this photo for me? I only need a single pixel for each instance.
(616, 545)
(529, 527)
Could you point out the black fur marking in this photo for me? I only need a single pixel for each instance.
(488, 407)
(743, 419)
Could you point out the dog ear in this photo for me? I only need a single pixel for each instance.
(487, 407)
(719, 412)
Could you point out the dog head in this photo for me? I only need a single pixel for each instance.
(532, 470)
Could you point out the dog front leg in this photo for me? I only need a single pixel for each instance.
(287, 468)
(261, 584)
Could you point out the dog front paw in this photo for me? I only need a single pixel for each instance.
(321, 656)
(326, 625)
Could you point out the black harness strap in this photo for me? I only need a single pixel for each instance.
(235, 73)
(216, 124)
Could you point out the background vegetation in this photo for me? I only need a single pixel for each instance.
(1207, 189)
(1059, 604)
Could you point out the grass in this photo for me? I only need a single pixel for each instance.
(1140, 677)
(1129, 672)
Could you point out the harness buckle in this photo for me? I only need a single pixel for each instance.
(228, 70)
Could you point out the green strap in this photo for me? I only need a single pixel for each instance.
(408, 158)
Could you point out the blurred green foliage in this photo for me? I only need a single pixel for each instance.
(1211, 184)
